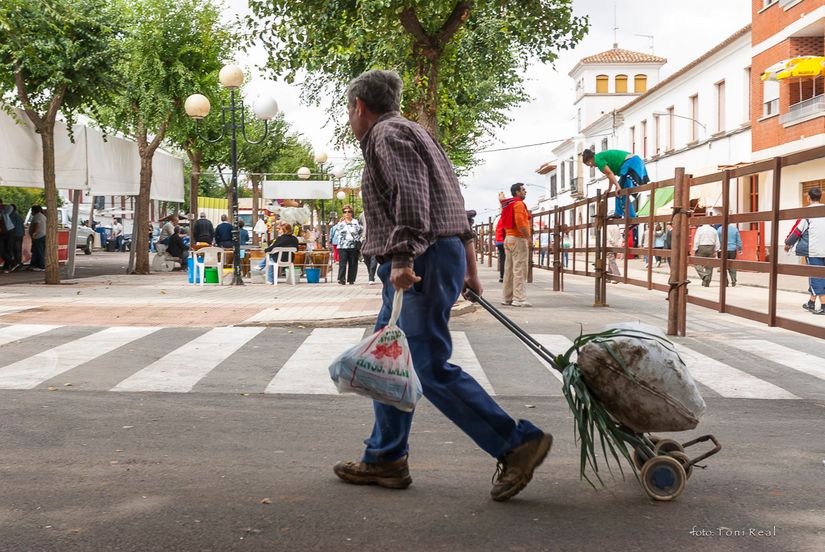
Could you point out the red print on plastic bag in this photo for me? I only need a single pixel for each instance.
(392, 350)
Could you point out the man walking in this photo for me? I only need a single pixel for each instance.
(733, 246)
(370, 260)
(419, 229)
(809, 236)
(203, 231)
(705, 244)
(622, 169)
(117, 234)
(516, 223)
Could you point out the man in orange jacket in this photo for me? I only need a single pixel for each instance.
(516, 223)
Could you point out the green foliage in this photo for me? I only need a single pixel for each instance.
(23, 198)
(174, 47)
(55, 45)
(460, 60)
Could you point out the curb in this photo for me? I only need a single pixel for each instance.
(460, 309)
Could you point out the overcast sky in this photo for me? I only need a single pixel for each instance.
(682, 31)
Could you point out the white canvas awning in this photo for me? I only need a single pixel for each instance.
(101, 168)
(297, 189)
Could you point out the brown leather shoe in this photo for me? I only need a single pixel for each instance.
(515, 470)
(392, 475)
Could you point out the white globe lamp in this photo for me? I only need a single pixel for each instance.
(265, 108)
(321, 157)
(339, 173)
(231, 76)
(341, 195)
(304, 173)
(197, 106)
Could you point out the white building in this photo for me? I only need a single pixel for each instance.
(697, 118)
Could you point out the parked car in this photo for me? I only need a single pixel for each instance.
(85, 235)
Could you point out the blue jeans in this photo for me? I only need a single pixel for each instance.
(425, 319)
(816, 285)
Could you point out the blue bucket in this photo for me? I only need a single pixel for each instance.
(313, 275)
(194, 274)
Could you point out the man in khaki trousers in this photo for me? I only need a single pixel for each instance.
(516, 223)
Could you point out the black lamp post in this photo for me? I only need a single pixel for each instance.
(197, 107)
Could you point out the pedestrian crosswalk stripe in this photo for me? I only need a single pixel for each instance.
(182, 368)
(728, 381)
(4, 310)
(465, 357)
(9, 334)
(796, 360)
(31, 371)
(307, 370)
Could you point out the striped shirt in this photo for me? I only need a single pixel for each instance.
(410, 191)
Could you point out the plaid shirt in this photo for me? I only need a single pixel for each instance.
(410, 191)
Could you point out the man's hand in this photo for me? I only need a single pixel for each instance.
(472, 282)
(403, 278)
(787, 248)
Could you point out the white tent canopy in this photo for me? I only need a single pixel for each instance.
(98, 167)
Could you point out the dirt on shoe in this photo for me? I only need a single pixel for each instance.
(515, 470)
(392, 475)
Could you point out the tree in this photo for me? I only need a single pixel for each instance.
(172, 45)
(460, 60)
(55, 57)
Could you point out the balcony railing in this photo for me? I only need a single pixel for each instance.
(803, 109)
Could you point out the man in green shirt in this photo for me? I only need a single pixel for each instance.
(622, 169)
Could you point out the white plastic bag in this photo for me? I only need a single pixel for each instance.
(380, 367)
(641, 380)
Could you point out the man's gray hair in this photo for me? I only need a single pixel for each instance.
(379, 90)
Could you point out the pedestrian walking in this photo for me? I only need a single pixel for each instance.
(623, 170)
(419, 228)
(203, 231)
(705, 244)
(10, 226)
(669, 241)
(37, 231)
(348, 232)
(17, 243)
(516, 222)
(808, 235)
(732, 247)
(658, 241)
(370, 260)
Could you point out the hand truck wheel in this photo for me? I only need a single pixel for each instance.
(663, 478)
(668, 445)
(683, 459)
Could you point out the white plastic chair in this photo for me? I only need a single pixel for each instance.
(213, 257)
(274, 258)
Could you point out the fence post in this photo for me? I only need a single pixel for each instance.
(773, 282)
(490, 242)
(587, 226)
(556, 250)
(723, 276)
(685, 252)
(650, 235)
(599, 298)
(677, 257)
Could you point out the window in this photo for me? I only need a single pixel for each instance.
(747, 101)
(644, 139)
(694, 114)
(720, 106)
(752, 199)
(621, 84)
(657, 131)
(553, 185)
(670, 128)
(571, 175)
(601, 84)
(640, 84)
(579, 119)
(633, 139)
(604, 144)
(770, 98)
(561, 176)
(806, 200)
(766, 3)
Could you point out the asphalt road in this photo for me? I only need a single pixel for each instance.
(225, 466)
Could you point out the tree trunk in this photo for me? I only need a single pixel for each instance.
(194, 183)
(255, 201)
(426, 110)
(140, 234)
(50, 188)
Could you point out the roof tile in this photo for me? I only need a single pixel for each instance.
(618, 55)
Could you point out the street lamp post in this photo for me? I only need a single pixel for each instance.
(197, 107)
(321, 158)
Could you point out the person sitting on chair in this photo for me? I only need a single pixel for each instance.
(176, 248)
(285, 239)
